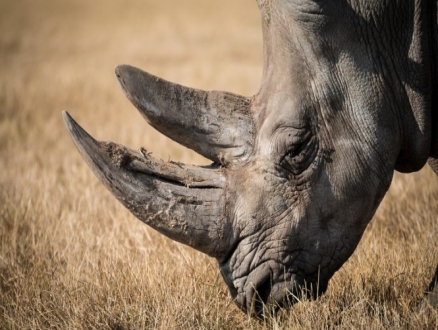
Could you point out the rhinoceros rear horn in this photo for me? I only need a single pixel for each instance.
(185, 203)
(217, 125)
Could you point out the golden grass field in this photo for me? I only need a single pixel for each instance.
(71, 257)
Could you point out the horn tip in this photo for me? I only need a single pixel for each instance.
(77, 133)
(119, 69)
(68, 120)
(124, 69)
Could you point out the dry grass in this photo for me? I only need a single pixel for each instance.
(72, 257)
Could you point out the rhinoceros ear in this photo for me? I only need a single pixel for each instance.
(217, 125)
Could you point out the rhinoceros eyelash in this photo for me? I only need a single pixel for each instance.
(298, 146)
(292, 153)
(295, 151)
(297, 157)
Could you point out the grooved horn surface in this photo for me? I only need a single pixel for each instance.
(217, 125)
(185, 203)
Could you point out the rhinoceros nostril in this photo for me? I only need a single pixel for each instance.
(262, 294)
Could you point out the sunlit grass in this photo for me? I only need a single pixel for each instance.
(72, 257)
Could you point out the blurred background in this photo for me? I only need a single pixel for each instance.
(72, 257)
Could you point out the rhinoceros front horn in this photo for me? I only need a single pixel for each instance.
(185, 203)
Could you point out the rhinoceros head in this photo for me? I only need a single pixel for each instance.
(299, 168)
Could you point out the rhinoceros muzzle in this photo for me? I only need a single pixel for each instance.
(272, 286)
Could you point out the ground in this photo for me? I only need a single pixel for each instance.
(72, 257)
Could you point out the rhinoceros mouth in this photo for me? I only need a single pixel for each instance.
(266, 296)
(267, 289)
(269, 297)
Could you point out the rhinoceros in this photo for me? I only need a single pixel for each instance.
(349, 94)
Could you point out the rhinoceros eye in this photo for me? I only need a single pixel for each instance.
(300, 154)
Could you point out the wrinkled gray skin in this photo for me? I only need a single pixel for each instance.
(349, 94)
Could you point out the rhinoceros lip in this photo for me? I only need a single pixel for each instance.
(272, 296)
